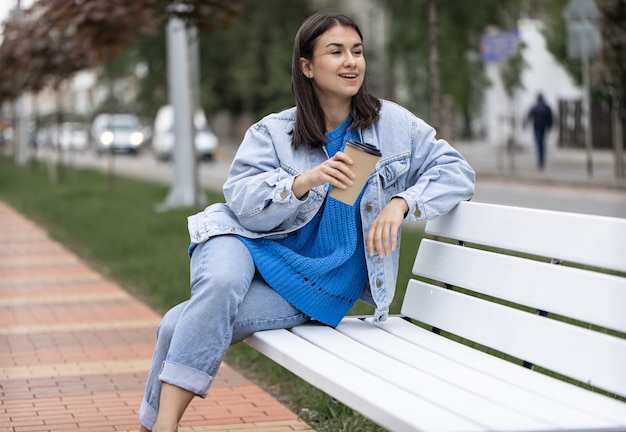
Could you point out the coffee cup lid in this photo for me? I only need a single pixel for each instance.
(367, 148)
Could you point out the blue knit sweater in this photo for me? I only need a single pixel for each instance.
(321, 268)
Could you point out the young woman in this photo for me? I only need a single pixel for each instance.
(281, 251)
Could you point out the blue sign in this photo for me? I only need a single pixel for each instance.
(498, 47)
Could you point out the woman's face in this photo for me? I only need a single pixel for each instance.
(337, 68)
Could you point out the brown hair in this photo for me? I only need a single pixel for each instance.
(310, 127)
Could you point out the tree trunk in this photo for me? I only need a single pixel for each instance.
(617, 114)
(433, 65)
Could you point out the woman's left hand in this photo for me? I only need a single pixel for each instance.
(382, 237)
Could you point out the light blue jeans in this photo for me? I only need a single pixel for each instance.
(229, 301)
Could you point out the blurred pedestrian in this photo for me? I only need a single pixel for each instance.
(541, 116)
(281, 251)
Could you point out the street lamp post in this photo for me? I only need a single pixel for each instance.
(185, 191)
(20, 134)
(583, 40)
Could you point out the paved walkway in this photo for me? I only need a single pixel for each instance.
(565, 167)
(75, 349)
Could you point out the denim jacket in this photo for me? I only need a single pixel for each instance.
(427, 172)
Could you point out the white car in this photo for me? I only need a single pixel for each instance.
(73, 136)
(163, 138)
(117, 133)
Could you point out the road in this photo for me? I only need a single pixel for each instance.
(489, 188)
(596, 201)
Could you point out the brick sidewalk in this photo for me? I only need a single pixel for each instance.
(75, 349)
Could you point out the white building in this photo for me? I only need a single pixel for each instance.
(543, 75)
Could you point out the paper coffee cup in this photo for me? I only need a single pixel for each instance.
(364, 158)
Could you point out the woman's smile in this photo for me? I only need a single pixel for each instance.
(349, 76)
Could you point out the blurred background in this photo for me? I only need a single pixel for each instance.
(96, 75)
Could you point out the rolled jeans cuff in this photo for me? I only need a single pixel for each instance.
(147, 415)
(190, 379)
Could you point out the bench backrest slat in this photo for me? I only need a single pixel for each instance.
(585, 239)
(588, 356)
(565, 319)
(540, 285)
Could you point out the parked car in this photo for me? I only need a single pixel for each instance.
(73, 136)
(45, 136)
(69, 136)
(121, 133)
(163, 138)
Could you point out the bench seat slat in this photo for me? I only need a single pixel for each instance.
(585, 239)
(378, 400)
(501, 400)
(591, 357)
(548, 287)
(536, 383)
(440, 390)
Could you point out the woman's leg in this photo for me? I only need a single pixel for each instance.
(228, 303)
(194, 335)
(148, 410)
(264, 309)
(175, 401)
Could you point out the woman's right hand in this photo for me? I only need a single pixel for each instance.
(335, 171)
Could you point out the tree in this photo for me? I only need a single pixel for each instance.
(613, 25)
(37, 49)
(245, 62)
(433, 65)
(613, 14)
(459, 28)
(511, 75)
(256, 50)
(71, 35)
(512, 70)
(55, 38)
(608, 77)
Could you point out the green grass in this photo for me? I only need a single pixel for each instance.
(119, 233)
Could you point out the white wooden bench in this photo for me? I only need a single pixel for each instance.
(407, 377)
